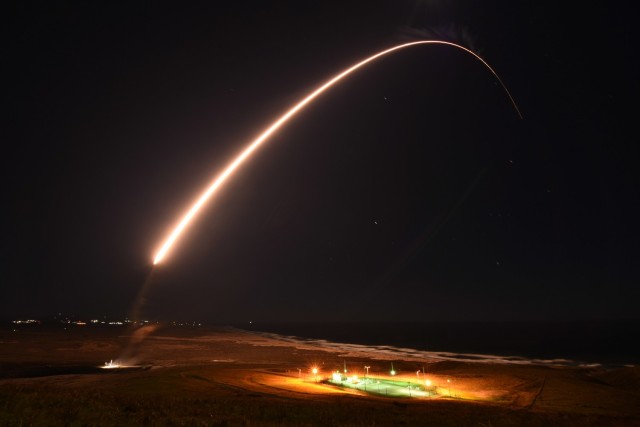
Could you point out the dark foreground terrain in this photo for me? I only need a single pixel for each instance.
(229, 377)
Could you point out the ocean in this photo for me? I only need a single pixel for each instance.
(614, 343)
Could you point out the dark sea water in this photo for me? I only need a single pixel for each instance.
(604, 342)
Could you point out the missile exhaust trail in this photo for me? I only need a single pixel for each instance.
(264, 136)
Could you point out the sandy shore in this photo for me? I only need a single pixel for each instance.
(226, 376)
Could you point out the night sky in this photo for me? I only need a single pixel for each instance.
(410, 192)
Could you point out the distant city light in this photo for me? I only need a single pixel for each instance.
(70, 320)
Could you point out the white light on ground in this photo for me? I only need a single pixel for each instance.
(110, 365)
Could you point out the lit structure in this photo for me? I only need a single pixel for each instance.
(111, 365)
(397, 384)
(314, 371)
(382, 386)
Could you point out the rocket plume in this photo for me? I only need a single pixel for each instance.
(264, 136)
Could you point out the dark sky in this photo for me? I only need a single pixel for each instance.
(410, 192)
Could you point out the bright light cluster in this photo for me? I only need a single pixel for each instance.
(110, 365)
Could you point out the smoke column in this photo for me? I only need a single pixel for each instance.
(134, 315)
(128, 357)
(264, 136)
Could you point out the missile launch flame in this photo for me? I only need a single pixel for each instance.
(264, 136)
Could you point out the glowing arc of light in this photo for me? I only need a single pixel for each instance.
(220, 179)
